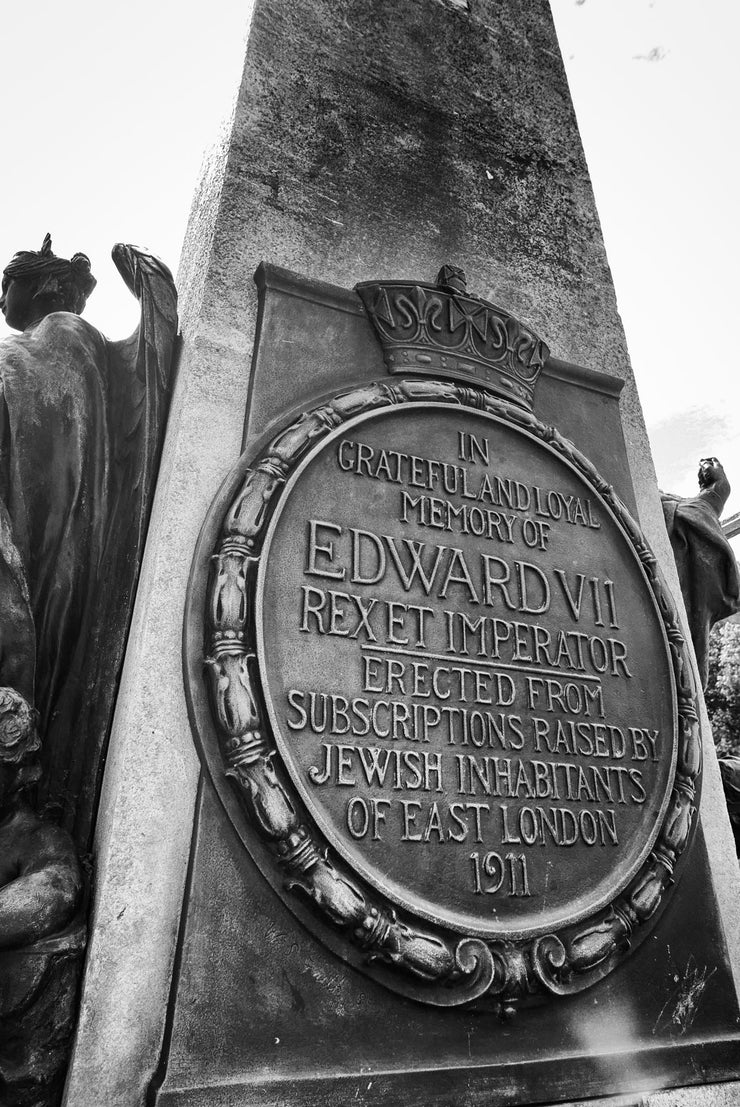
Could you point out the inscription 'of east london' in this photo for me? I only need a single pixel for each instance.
(464, 669)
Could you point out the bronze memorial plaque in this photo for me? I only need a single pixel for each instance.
(450, 686)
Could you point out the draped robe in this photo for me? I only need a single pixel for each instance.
(81, 424)
(707, 569)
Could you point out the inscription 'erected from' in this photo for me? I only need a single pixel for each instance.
(461, 673)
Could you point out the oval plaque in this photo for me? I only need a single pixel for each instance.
(449, 683)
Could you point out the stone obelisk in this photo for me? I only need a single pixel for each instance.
(369, 138)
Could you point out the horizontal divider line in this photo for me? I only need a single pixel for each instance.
(485, 664)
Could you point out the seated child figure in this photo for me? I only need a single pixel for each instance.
(41, 935)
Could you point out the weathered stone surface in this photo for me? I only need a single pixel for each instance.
(372, 141)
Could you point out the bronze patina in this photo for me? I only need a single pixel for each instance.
(81, 425)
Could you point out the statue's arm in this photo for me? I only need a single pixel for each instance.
(43, 898)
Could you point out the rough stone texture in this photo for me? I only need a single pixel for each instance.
(371, 139)
(709, 1095)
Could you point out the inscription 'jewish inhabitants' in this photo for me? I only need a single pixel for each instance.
(451, 690)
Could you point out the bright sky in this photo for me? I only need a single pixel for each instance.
(109, 108)
(656, 88)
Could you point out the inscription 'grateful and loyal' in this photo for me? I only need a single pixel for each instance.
(465, 671)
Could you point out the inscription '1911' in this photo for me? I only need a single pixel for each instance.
(491, 872)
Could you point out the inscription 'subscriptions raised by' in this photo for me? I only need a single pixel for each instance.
(449, 683)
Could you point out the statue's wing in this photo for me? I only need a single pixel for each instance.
(137, 377)
(141, 374)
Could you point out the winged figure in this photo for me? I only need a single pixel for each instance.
(81, 426)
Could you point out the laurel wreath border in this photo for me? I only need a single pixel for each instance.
(426, 962)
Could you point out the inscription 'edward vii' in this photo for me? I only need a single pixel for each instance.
(366, 558)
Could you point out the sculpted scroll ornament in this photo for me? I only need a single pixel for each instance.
(426, 961)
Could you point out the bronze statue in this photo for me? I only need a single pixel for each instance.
(707, 569)
(81, 426)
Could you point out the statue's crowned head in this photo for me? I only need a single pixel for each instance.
(37, 282)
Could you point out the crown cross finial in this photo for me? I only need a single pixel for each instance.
(441, 330)
(451, 278)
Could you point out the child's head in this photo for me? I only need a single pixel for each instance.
(19, 743)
